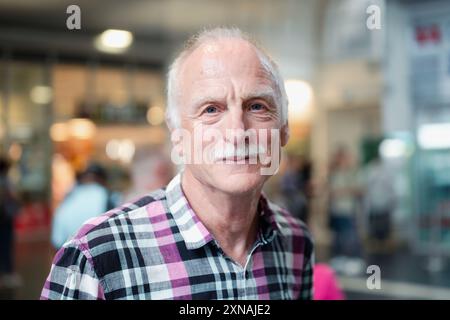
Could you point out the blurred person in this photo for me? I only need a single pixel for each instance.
(150, 170)
(326, 283)
(88, 198)
(344, 197)
(379, 202)
(295, 186)
(9, 208)
(63, 178)
(211, 223)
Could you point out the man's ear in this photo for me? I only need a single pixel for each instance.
(284, 134)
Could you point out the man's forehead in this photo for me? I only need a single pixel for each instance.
(223, 57)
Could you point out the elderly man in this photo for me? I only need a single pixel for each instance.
(211, 233)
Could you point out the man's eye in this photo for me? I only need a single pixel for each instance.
(211, 109)
(256, 107)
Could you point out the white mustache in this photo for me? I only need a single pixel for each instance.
(229, 151)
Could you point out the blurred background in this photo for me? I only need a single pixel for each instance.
(367, 166)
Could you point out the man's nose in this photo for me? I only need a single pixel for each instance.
(236, 124)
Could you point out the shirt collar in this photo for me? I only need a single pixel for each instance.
(194, 232)
(269, 226)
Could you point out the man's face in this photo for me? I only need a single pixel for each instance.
(224, 89)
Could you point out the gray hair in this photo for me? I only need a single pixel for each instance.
(214, 35)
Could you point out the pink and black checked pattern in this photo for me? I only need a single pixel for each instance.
(157, 248)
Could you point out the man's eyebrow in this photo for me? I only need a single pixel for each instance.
(265, 94)
(268, 95)
(204, 99)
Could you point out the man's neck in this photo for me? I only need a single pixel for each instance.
(231, 219)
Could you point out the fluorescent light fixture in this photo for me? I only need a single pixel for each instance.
(155, 115)
(434, 136)
(41, 94)
(113, 41)
(81, 128)
(122, 150)
(126, 150)
(59, 132)
(393, 148)
(300, 95)
(112, 149)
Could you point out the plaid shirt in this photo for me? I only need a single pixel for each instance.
(157, 248)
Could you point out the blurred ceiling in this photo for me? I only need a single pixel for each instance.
(158, 25)
(147, 18)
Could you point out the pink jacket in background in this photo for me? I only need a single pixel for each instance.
(326, 285)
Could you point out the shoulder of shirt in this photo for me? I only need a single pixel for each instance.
(99, 230)
(293, 229)
(288, 223)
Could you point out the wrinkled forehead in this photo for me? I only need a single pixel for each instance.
(226, 58)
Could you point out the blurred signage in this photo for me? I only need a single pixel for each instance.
(430, 89)
(430, 34)
(32, 220)
(430, 70)
(110, 113)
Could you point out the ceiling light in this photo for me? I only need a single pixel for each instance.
(434, 136)
(113, 41)
(41, 94)
(155, 115)
(300, 95)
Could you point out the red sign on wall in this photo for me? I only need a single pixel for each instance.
(428, 34)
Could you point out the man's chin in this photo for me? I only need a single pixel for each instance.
(239, 181)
